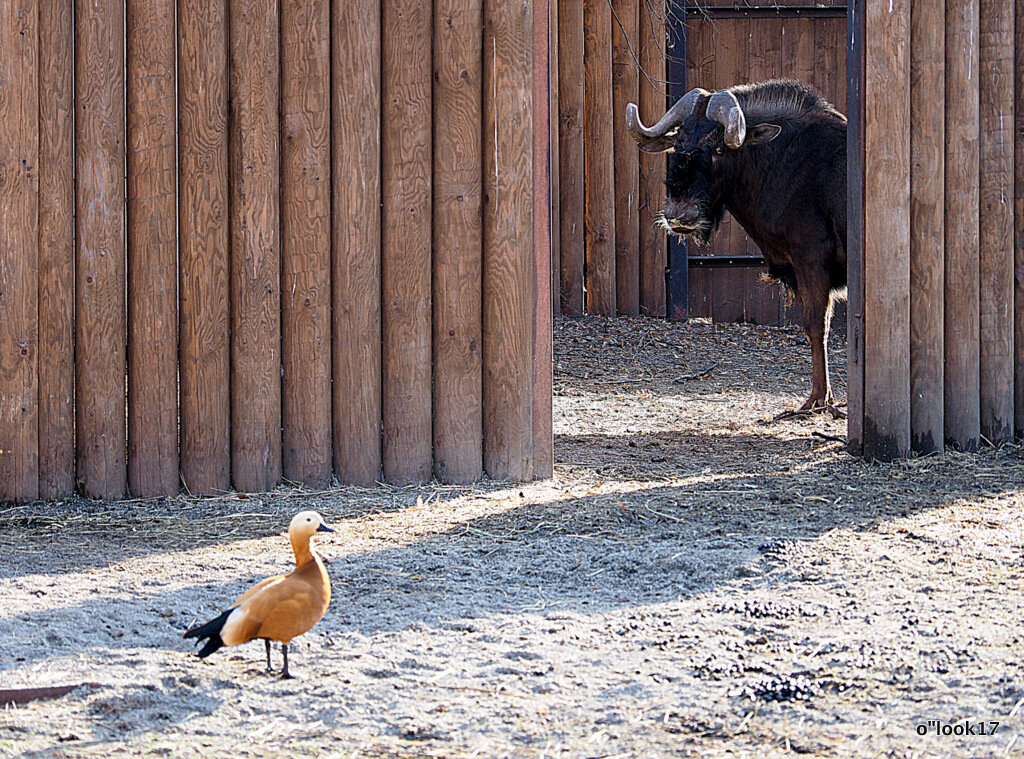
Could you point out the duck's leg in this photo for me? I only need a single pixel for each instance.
(285, 674)
(267, 642)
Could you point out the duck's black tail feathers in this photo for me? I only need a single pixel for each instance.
(211, 631)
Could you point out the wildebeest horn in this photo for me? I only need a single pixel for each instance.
(725, 109)
(654, 139)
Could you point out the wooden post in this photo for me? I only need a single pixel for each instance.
(653, 250)
(554, 184)
(509, 284)
(598, 159)
(19, 251)
(56, 252)
(927, 212)
(355, 88)
(962, 387)
(570, 156)
(996, 229)
(203, 283)
(306, 241)
(855, 226)
(457, 225)
(542, 369)
(152, 250)
(255, 247)
(100, 270)
(887, 236)
(625, 89)
(406, 236)
(1018, 193)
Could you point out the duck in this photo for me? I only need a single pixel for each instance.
(278, 608)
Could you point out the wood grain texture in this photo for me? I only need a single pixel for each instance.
(887, 237)
(406, 237)
(625, 89)
(100, 244)
(651, 199)
(306, 242)
(458, 238)
(996, 225)
(152, 250)
(508, 300)
(554, 186)
(855, 228)
(1018, 207)
(203, 281)
(598, 159)
(19, 251)
(570, 156)
(255, 247)
(355, 103)
(56, 252)
(927, 213)
(542, 365)
(962, 379)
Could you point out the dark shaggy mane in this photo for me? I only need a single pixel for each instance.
(771, 99)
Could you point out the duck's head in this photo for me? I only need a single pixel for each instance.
(305, 525)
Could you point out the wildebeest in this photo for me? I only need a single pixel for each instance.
(773, 154)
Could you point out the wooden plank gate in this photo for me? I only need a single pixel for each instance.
(244, 242)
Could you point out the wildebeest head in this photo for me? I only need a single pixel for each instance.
(702, 130)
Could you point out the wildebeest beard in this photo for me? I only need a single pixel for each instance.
(689, 188)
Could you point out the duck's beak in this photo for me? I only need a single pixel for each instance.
(324, 528)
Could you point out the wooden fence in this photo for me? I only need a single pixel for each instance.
(244, 242)
(937, 225)
(610, 259)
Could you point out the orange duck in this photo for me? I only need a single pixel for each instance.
(279, 608)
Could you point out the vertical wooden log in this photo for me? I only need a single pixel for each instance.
(653, 249)
(56, 252)
(887, 236)
(19, 250)
(152, 250)
(570, 156)
(406, 237)
(355, 102)
(625, 89)
(598, 159)
(203, 284)
(855, 226)
(996, 229)
(541, 380)
(554, 186)
(927, 212)
(255, 247)
(1018, 193)
(100, 272)
(962, 384)
(508, 305)
(457, 225)
(306, 241)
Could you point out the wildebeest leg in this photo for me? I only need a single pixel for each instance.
(817, 300)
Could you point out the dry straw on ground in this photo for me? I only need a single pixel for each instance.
(693, 582)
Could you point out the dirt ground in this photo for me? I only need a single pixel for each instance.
(693, 582)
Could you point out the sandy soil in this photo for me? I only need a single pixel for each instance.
(693, 582)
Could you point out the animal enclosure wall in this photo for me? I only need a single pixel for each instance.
(609, 258)
(245, 242)
(937, 225)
